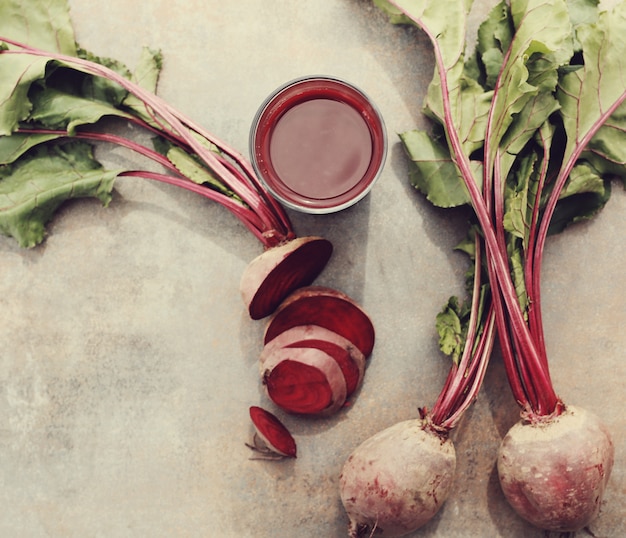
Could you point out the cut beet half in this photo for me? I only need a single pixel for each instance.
(273, 275)
(304, 381)
(328, 308)
(273, 439)
(349, 358)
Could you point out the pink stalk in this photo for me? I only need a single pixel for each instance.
(534, 291)
(248, 217)
(111, 138)
(475, 374)
(502, 285)
(237, 209)
(465, 378)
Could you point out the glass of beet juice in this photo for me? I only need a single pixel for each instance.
(318, 144)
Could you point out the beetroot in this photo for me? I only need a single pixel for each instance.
(328, 308)
(396, 480)
(304, 380)
(278, 271)
(348, 357)
(272, 439)
(351, 370)
(554, 472)
(513, 139)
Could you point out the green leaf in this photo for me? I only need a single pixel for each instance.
(587, 94)
(541, 45)
(520, 198)
(393, 13)
(147, 76)
(583, 196)
(58, 110)
(494, 38)
(70, 98)
(34, 187)
(607, 151)
(453, 321)
(14, 146)
(192, 167)
(445, 22)
(44, 24)
(433, 172)
(450, 328)
(17, 73)
(582, 12)
(533, 117)
(98, 88)
(469, 106)
(148, 69)
(516, 261)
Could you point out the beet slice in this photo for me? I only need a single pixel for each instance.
(278, 271)
(304, 381)
(349, 358)
(350, 369)
(274, 440)
(328, 308)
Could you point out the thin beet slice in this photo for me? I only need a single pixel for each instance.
(349, 358)
(301, 333)
(350, 368)
(275, 439)
(295, 334)
(298, 388)
(328, 308)
(304, 381)
(273, 275)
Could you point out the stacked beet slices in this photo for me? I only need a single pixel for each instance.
(313, 360)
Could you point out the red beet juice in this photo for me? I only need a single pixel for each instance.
(318, 144)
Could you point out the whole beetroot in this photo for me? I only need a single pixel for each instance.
(554, 472)
(397, 480)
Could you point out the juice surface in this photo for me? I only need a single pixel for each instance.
(321, 148)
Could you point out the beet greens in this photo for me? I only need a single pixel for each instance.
(70, 94)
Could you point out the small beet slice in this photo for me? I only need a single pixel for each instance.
(276, 441)
(304, 381)
(328, 308)
(278, 271)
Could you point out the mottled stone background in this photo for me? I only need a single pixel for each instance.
(128, 363)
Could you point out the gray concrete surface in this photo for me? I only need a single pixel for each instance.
(128, 363)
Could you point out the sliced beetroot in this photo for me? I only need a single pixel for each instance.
(352, 372)
(273, 275)
(304, 381)
(350, 359)
(272, 438)
(328, 308)
(295, 334)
